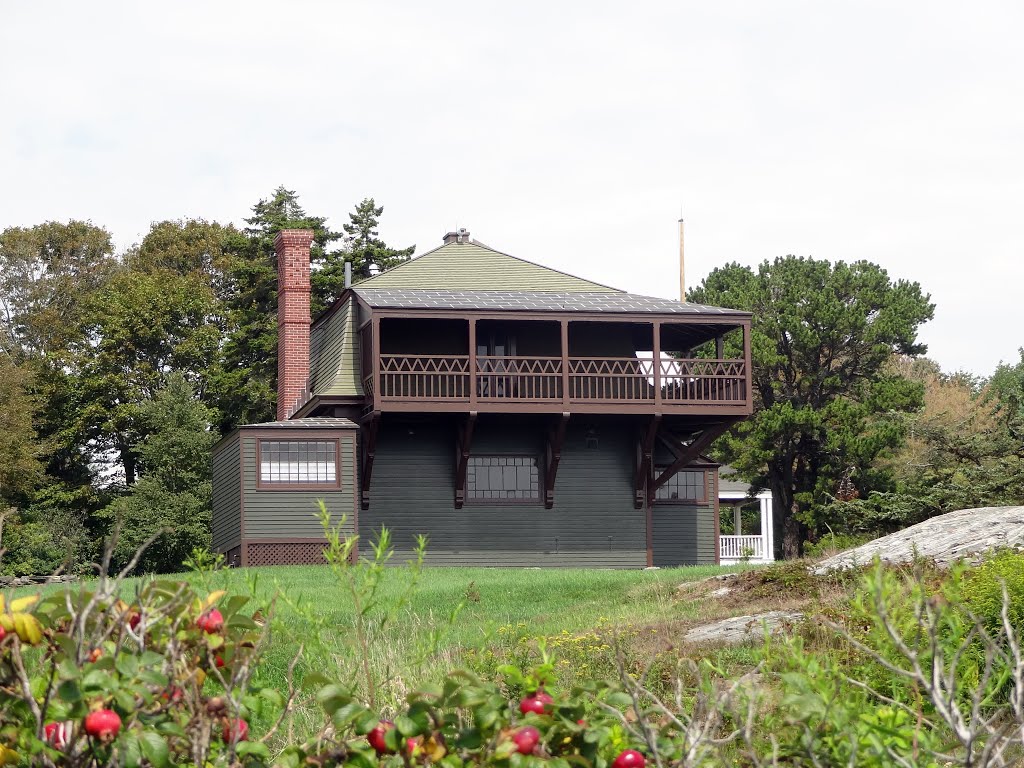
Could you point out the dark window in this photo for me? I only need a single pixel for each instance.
(502, 478)
(689, 485)
(299, 462)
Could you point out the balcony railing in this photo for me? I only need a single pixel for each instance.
(448, 378)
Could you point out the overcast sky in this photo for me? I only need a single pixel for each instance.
(572, 134)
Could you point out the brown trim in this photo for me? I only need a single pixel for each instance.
(368, 452)
(355, 497)
(464, 444)
(748, 366)
(315, 401)
(375, 359)
(564, 331)
(556, 439)
(243, 559)
(269, 485)
(674, 318)
(718, 517)
(472, 361)
(725, 410)
(649, 517)
(517, 502)
(656, 361)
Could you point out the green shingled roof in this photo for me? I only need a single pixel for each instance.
(474, 266)
(334, 354)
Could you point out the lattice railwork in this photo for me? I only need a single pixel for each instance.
(428, 377)
(718, 381)
(614, 379)
(296, 553)
(504, 377)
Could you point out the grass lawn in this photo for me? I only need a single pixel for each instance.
(500, 608)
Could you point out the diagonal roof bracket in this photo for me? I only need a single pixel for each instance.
(686, 456)
(465, 440)
(645, 460)
(554, 455)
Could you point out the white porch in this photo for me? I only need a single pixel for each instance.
(739, 547)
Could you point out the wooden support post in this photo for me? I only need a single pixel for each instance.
(369, 452)
(719, 347)
(472, 361)
(554, 450)
(644, 462)
(657, 363)
(465, 442)
(748, 371)
(565, 364)
(375, 359)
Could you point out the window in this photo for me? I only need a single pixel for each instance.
(299, 462)
(689, 485)
(502, 478)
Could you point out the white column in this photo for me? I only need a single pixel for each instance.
(737, 520)
(767, 527)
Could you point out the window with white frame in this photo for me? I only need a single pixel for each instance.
(299, 462)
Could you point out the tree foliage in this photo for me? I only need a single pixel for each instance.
(823, 338)
(90, 340)
(172, 495)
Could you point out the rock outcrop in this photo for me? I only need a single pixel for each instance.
(740, 629)
(946, 538)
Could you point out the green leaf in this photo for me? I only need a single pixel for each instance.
(333, 697)
(366, 722)
(69, 691)
(155, 748)
(407, 726)
(252, 749)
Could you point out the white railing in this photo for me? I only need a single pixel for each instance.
(738, 548)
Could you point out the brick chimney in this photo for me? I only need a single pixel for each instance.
(292, 247)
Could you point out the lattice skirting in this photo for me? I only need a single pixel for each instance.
(268, 553)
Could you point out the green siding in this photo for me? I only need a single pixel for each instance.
(471, 266)
(593, 522)
(334, 355)
(227, 495)
(271, 514)
(684, 534)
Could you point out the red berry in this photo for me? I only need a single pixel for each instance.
(211, 622)
(629, 759)
(103, 724)
(239, 731)
(539, 703)
(56, 734)
(3, 633)
(95, 655)
(376, 737)
(219, 661)
(526, 739)
(134, 619)
(411, 744)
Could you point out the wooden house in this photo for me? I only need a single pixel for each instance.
(514, 414)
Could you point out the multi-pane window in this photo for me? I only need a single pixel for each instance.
(298, 462)
(689, 485)
(502, 478)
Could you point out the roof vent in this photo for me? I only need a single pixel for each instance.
(459, 236)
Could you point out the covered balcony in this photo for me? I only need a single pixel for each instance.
(489, 363)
